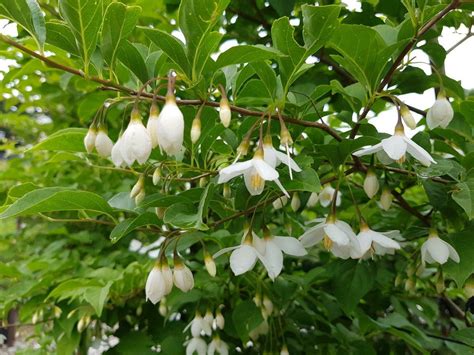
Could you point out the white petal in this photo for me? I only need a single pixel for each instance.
(395, 146)
(279, 184)
(365, 242)
(225, 250)
(419, 153)
(243, 259)
(437, 249)
(264, 170)
(290, 246)
(368, 150)
(453, 254)
(384, 241)
(273, 259)
(282, 157)
(254, 182)
(336, 234)
(384, 158)
(270, 157)
(313, 235)
(233, 170)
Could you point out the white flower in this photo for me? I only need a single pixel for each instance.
(386, 198)
(371, 183)
(224, 112)
(89, 139)
(244, 256)
(407, 116)
(157, 284)
(397, 146)
(209, 318)
(373, 242)
(272, 249)
(327, 194)
(274, 157)
(217, 345)
(182, 277)
(437, 250)
(196, 345)
(313, 200)
(116, 153)
(103, 144)
(440, 114)
(136, 143)
(220, 321)
(256, 171)
(168, 276)
(152, 124)
(199, 325)
(280, 202)
(170, 127)
(337, 236)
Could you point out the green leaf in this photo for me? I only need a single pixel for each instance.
(203, 54)
(464, 196)
(173, 48)
(306, 180)
(97, 296)
(131, 57)
(53, 199)
(119, 22)
(59, 35)
(464, 245)
(245, 54)
(69, 139)
(267, 75)
(319, 22)
(28, 14)
(85, 19)
(130, 224)
(246, 316)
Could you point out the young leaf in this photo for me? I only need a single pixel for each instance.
(68, 139)
(59, 34)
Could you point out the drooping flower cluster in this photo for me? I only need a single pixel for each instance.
(204, 326)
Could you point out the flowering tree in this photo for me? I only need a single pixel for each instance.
(239, 199)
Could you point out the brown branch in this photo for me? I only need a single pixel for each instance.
(396, 63)
(109, 85)
(406, 206)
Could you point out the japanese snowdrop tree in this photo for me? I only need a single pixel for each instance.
(210, 176)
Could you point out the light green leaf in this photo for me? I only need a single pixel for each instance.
(130, 224)
(464, 196)
(68, 139)
(267, 75)
(60, 35)
(97, 296)
(246, 316)
(85, 19)
(131, 57)
(463, 243)
(53, 199)
(119, 22)
(306, 180)
(203, 53)
(245, 54)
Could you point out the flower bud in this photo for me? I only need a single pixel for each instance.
(441, 113)
(280, 202)
(469, 287)
(285, 137)
(89, 139)
(407, 116)
(182, 276)
(313, 200)
(295, 202)
(157, 284)
(160, 212)
(138, 187)
(257, 299)
(284, 350)
(57, 311)
(103, 144)
(243, 147)
(210, 264)
(152, 124)
(163, 308)
(371, 183)
(440, 283)
(196, 130)
(220, 321)
(267, 305)
(156, 176)
(209, 318)
(140, 197)
(226, 192)
(203, 181)
(224, 112)
(83, 323)
(386, 198)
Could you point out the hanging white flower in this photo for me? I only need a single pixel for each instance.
(372, 242)
(371, 183)
(199, 326)
(220, 321)
(337, 236)
(136, 143)
(209, 318)
(89, 139)
(440, 114)
(437, 250)
(196, 345)
(396, 148)
(327, 194)
(103, 144)
(255, 171)
(217, 345)
(152, 124)
(157, 284)
(116, 153)
(182, 276)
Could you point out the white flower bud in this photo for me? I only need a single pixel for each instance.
(280, 202)
(284, 350)
(313, 200)
(209, 318)
(267, 305)
(156, 176)
(83, 323)
(140, 197)
(210, 264)
(183, 277)
(103, 144)
(196, 345)
(89, 139)
(196, 130)
(226, 192)
(371, 183)
(138, 187)
(407, 116)
(386, 198)
(170, 127)
(295, 202)
(224, 112)
(163, 308)
(440, 114)
(152, 124)
(220, 321)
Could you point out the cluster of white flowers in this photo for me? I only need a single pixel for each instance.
(161, 279)
(204, 326)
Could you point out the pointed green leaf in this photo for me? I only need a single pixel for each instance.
(69, 139)
(60, 35)
(130, 224)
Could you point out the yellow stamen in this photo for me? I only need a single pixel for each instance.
(327, 242)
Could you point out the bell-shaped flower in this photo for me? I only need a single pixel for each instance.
(371, 183)
(199, 326)
(152, 124)
(372, 242)
(116, 153)
(440, 114)
(103, 144)
(196, 345)
(437, 250)
(272, 249)
(219, 319)
(255, 171)
(136, 143)
(327, 194)
(244, 256)
(397, 146)
(158, 283)
(274, 157)
(183, 277)
(89, 139)
(170, 127)
(209, 317)
(217, 345)
(337, 236)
